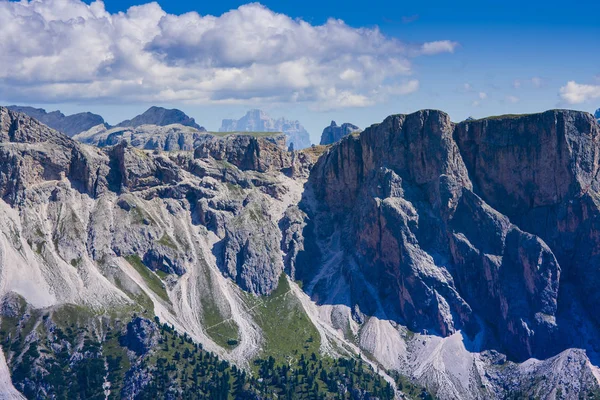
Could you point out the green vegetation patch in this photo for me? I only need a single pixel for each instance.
(287, 331)
(141, 298)
(504, 116)
(166, 240)
(221, 329)
(76, 352)
(152, 280)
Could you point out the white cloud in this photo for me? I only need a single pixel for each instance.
(440, 46)
(69, 51)
(536, 82)
(517, 84)
(483, 95)
(512, 99)
(575, 93)
(467, 87)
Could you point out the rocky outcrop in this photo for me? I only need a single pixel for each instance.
(148, 137)
(451, 224)
(541, 170)
(246, 152)
(333, 132)
(35, 158)
(141, 336)
(521, 163)
(32, 153)
(597, 114)
(259, 121)
(70, 125)
(162, 117)
(249, 250)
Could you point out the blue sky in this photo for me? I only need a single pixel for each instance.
(489, 58)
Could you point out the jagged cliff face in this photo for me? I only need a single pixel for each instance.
(333, 132)
(484, 227)
(448, 252)
(438, 255)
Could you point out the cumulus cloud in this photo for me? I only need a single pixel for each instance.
(483, 95)
(512, 99)
(576, 93)
(66, 50)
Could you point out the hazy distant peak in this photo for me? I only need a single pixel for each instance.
(256, 120)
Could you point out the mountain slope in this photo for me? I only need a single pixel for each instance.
(444, 254)
(162, 117)
(259, 121)
(69, 125)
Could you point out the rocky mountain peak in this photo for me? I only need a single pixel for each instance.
(333, 132)
(162, 117)
(69, 125)
(18, 127)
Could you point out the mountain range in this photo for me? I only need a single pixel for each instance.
(69, 125)
(259, 121)
(87, 124)
(418, 258)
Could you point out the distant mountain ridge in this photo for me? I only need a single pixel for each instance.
(258, 121)
(67, 124)
(597, 114)
(161, 117)
(333, 132)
